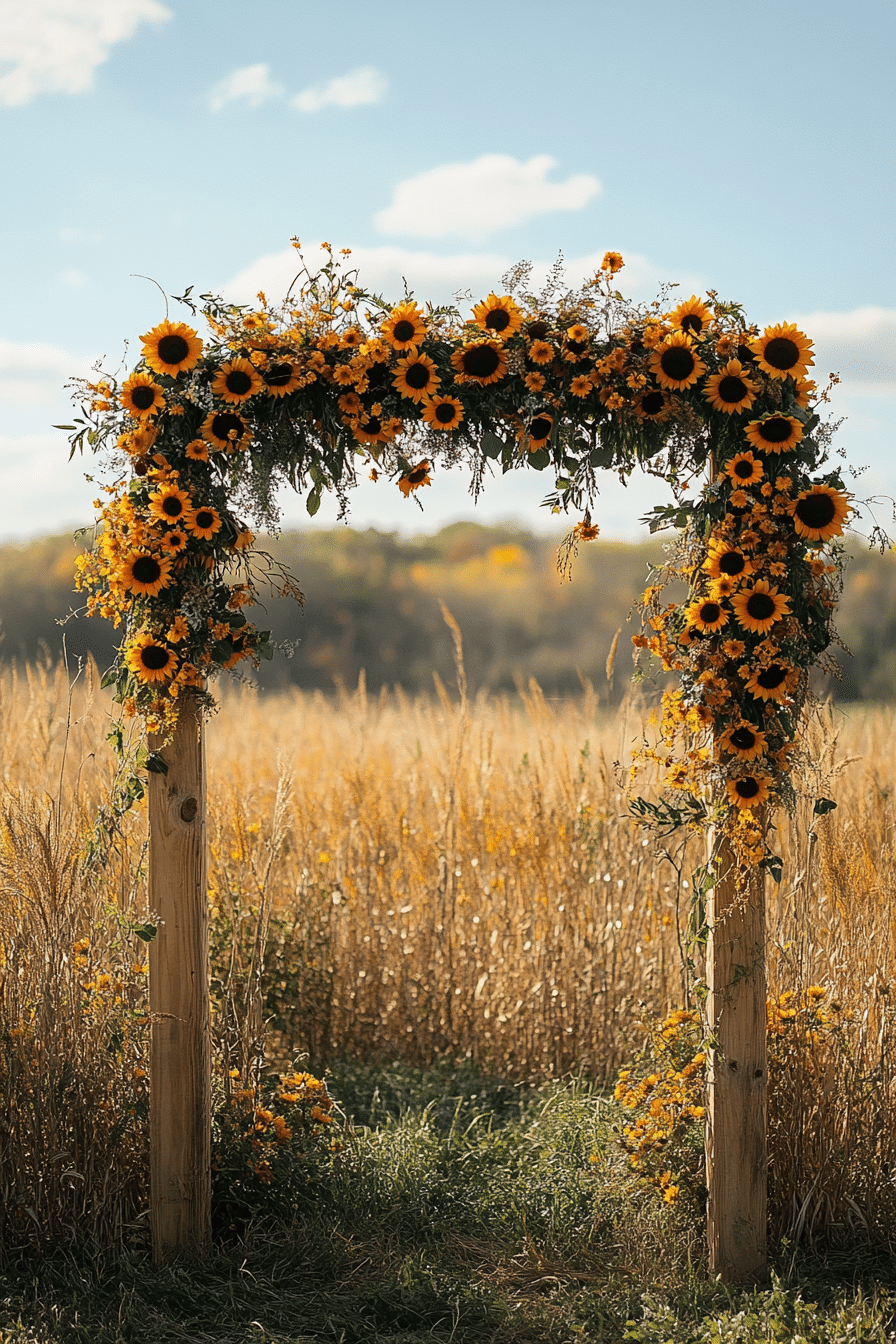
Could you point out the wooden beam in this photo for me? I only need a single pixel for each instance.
(737, 1078)
(180, 1058)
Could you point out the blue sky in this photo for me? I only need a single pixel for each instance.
(747, 148)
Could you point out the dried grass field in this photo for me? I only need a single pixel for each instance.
(419, 880)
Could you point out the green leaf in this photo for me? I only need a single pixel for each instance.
(823, 806)
(156, 763)
(110, 676)
(539, 459)
(492, 446)
(63, 426)
(313, 503)
(145, 932)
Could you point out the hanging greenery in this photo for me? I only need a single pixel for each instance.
(336, 381)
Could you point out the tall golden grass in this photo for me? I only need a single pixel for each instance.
(427, 877)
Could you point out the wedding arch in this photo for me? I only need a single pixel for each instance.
(335, 382)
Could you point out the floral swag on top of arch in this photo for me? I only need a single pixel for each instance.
(336, 380)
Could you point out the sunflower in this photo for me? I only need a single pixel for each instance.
(415, 478)
(730, 389)
(204, 522)
(745, 742)
(280, 377)
(706, 615)
(540, 351)
(144, 574)
(237, 380)
(197, 450)
(538, 431)
(482, 362)
(500, 317)
(774, 433)
(819, 513)
(171, 348)
(581, 385)
(727, 561)
(404, 328)
(760, 607)
(174, 541)
(142, 396)
(350, 403)
(652, 405)
(692, 316)
(169, 504)
(534, 382)
(744, 469)
(749, 790)
(774, 682)
(225, 429)
(612, 262)
(674, 364)
(805, 391)
(443, 412)
(150, 660)
(783, 351)
(374, 429)
(416, 377)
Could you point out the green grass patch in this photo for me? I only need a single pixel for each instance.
(464, 1210)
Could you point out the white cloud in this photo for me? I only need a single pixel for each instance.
(475, 199)
(54, 46)
(437, 277)
(35, 375)
(366, 85)
(250, 84)
(50, 493)
(859, 344)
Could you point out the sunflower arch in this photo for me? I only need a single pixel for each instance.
(336, 381)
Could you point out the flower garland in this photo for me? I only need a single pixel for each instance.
(337, 379)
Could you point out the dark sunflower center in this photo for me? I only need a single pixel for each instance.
(418, 376)
(747, 788)
(732, 390)
(173, 349)
(731, 563)
(226, 423)
(677, 363)
(238, 382)
(775, 430)
(816, 511)
(745, 354)
(744, 739)
(172, 507)
(710, 613)
(744, 470)
(143, 397)
(446, 414)
(204, 519)
(497, 319)
(770, 678)
(576, 346)
(374, 425)
(403, 330)
(692, 323)
(481, 361)
(418, 475)
(782, 353)
(652, 403)
(146, 569)
(540, 427)
(537, 331)
(278, 375)
(761, 606)
(154, 658)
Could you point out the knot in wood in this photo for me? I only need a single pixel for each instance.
(188, 809)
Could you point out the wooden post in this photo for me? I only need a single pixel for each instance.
(180, 1067)
(737, 1077)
